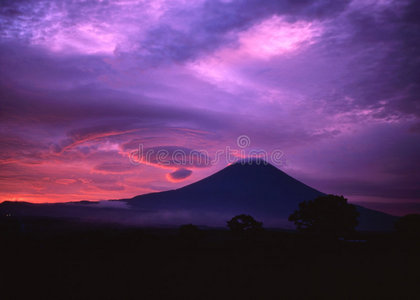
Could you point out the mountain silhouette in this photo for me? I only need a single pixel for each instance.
(243, 186)
(251, 187)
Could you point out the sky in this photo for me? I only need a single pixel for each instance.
(327, 89)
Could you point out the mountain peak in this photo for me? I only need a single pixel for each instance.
(248, 165)
(251, 161)
(251, 169)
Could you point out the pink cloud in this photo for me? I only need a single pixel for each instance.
(276, 36)
(272, 37)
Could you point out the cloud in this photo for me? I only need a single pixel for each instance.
(66, 181)
(378, 45)
(111, 167)
(110, 187)
(155, 31)
(179, 174)
(170, 156)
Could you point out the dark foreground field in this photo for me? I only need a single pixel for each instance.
(43, 258)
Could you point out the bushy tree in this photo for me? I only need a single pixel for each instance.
(326, 214)
(244, 223)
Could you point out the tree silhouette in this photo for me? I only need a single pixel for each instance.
(244, 224)
(409, 224)
(326, 214)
